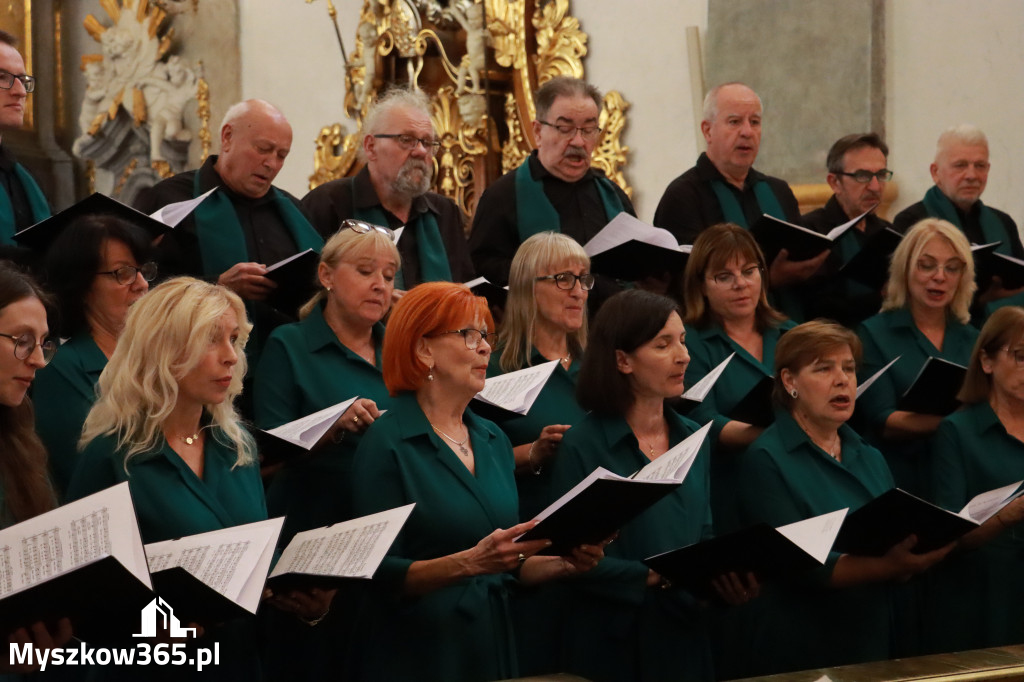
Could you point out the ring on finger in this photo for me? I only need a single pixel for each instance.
(355, 419)
(521, 558)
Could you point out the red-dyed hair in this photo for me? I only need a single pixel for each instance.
(425, 310)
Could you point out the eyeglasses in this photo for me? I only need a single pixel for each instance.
(25, 345)
(728, 279)
(409, 142)
(864, 176)
(1016, 353)
(471, 336)
(567, 280)
(953, 268)
(126, 274)
(362, 227)
(7, 81)
(569, 130)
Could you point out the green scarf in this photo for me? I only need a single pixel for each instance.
(992, 228)
(221, 240)
(434, 266)
(767, 202)
(36, 202)
(534, 212)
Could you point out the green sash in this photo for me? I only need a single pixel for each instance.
(534, 212)
(36, 202)
(767, 202)
(433, 257)
(221, 240)
(992, 228)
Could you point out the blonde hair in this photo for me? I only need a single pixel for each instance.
(542, 251)
(909, 251)
(348, 244)
(1003, 328)
(165, 336)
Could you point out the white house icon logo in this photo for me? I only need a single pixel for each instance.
(159, 616)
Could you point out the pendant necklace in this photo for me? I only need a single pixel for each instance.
(460, 444)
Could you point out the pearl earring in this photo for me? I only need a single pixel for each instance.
(430, 374)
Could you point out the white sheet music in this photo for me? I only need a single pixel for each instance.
(351, 549)
(700, 390)
(307, 431)
(817, 534)
(172, 214)
(837, 231)
(517, 391)
(624, 228)
(72, 536)
(675, 463)
(874, 377)
(233, 561)
(984, 506)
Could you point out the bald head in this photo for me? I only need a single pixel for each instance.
(255, 139)
(732, 129)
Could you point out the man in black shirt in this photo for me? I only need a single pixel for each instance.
(555, 189)
(960, 173)
(857, 174)
(392, 190)
(22, 202)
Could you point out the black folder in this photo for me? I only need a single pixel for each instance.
(870, 265)
(193, 600)
(892, 516)
(38, 237)
(773, 235)
(756, 407)
(635, 260)
(935, 388)
(296, 281)
(991, 264)
(759, 549)
(596, 513)
(496, 296)
(102, 599)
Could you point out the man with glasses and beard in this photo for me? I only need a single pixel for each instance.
(22, 203)
(392, 190)
(555, 189)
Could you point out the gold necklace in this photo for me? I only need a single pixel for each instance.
(460, 444)
(189, 440)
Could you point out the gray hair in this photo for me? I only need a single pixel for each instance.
(564, 86)
(711, 100)
(393, 98)
(965, 133)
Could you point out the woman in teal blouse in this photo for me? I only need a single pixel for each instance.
(96, 268)
(331, 355)
(977, 449)
(925, 313)
(727, 313)
(440, 610)
(809, 462)
(619, 623)
(545, 320)
(165, 422)
(25, 489)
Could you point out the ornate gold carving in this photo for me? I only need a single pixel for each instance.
(506, 23)
(162, 168)
(127, 173)
(561, 45)
(517, 147)
(203, 110)
(460, 143)
(610, 155)
(335, 154)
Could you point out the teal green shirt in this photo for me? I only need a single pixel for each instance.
(304, 368)
(972, 453)
(62, 395)
(556, 404)
(886, 336)
(460, 632)
(783, 478)
(709, 347)
(615, 627)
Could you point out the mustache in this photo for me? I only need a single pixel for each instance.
(576, 153)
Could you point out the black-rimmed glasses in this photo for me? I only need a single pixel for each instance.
(126, 274)
(567, 280)
(7, 81)
(569, 130)
(864, 176)
(409, 142)
(25, 344)
(471, 336)
(362, 227)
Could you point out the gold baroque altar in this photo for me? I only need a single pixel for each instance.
(480, 62)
